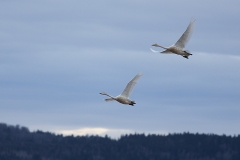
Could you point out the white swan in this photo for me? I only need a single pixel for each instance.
(178, 47)
(124, 96)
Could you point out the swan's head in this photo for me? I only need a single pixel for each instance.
(156, 45)
(103, 93)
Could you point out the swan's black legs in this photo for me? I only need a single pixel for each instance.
(132, 103)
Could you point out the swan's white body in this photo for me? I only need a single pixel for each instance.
(178, 47)
(124, 96)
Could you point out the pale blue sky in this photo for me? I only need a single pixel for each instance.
(56, 56)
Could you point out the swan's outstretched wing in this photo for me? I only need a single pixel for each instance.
(165, 51)
(127, 91)
(186, 35)
(109, 99)
(154, 50)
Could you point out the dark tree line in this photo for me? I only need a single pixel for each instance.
(18, 143)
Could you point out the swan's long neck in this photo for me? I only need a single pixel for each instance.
(156, 45)
(110, 96)
(162, 47)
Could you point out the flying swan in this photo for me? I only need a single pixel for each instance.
(124, 96)
(178, 47)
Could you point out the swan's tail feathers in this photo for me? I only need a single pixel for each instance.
(109, 99)
(154, 50)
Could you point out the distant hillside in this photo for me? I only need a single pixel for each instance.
(18, 143)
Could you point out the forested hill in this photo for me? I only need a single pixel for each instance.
(18, 143)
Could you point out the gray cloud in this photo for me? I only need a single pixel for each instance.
(55, 58)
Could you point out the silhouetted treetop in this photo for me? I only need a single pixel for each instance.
(18, 143)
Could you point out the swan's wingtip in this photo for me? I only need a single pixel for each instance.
(193, 19)
(153, 50)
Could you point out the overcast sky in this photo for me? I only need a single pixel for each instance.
(57, 56)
